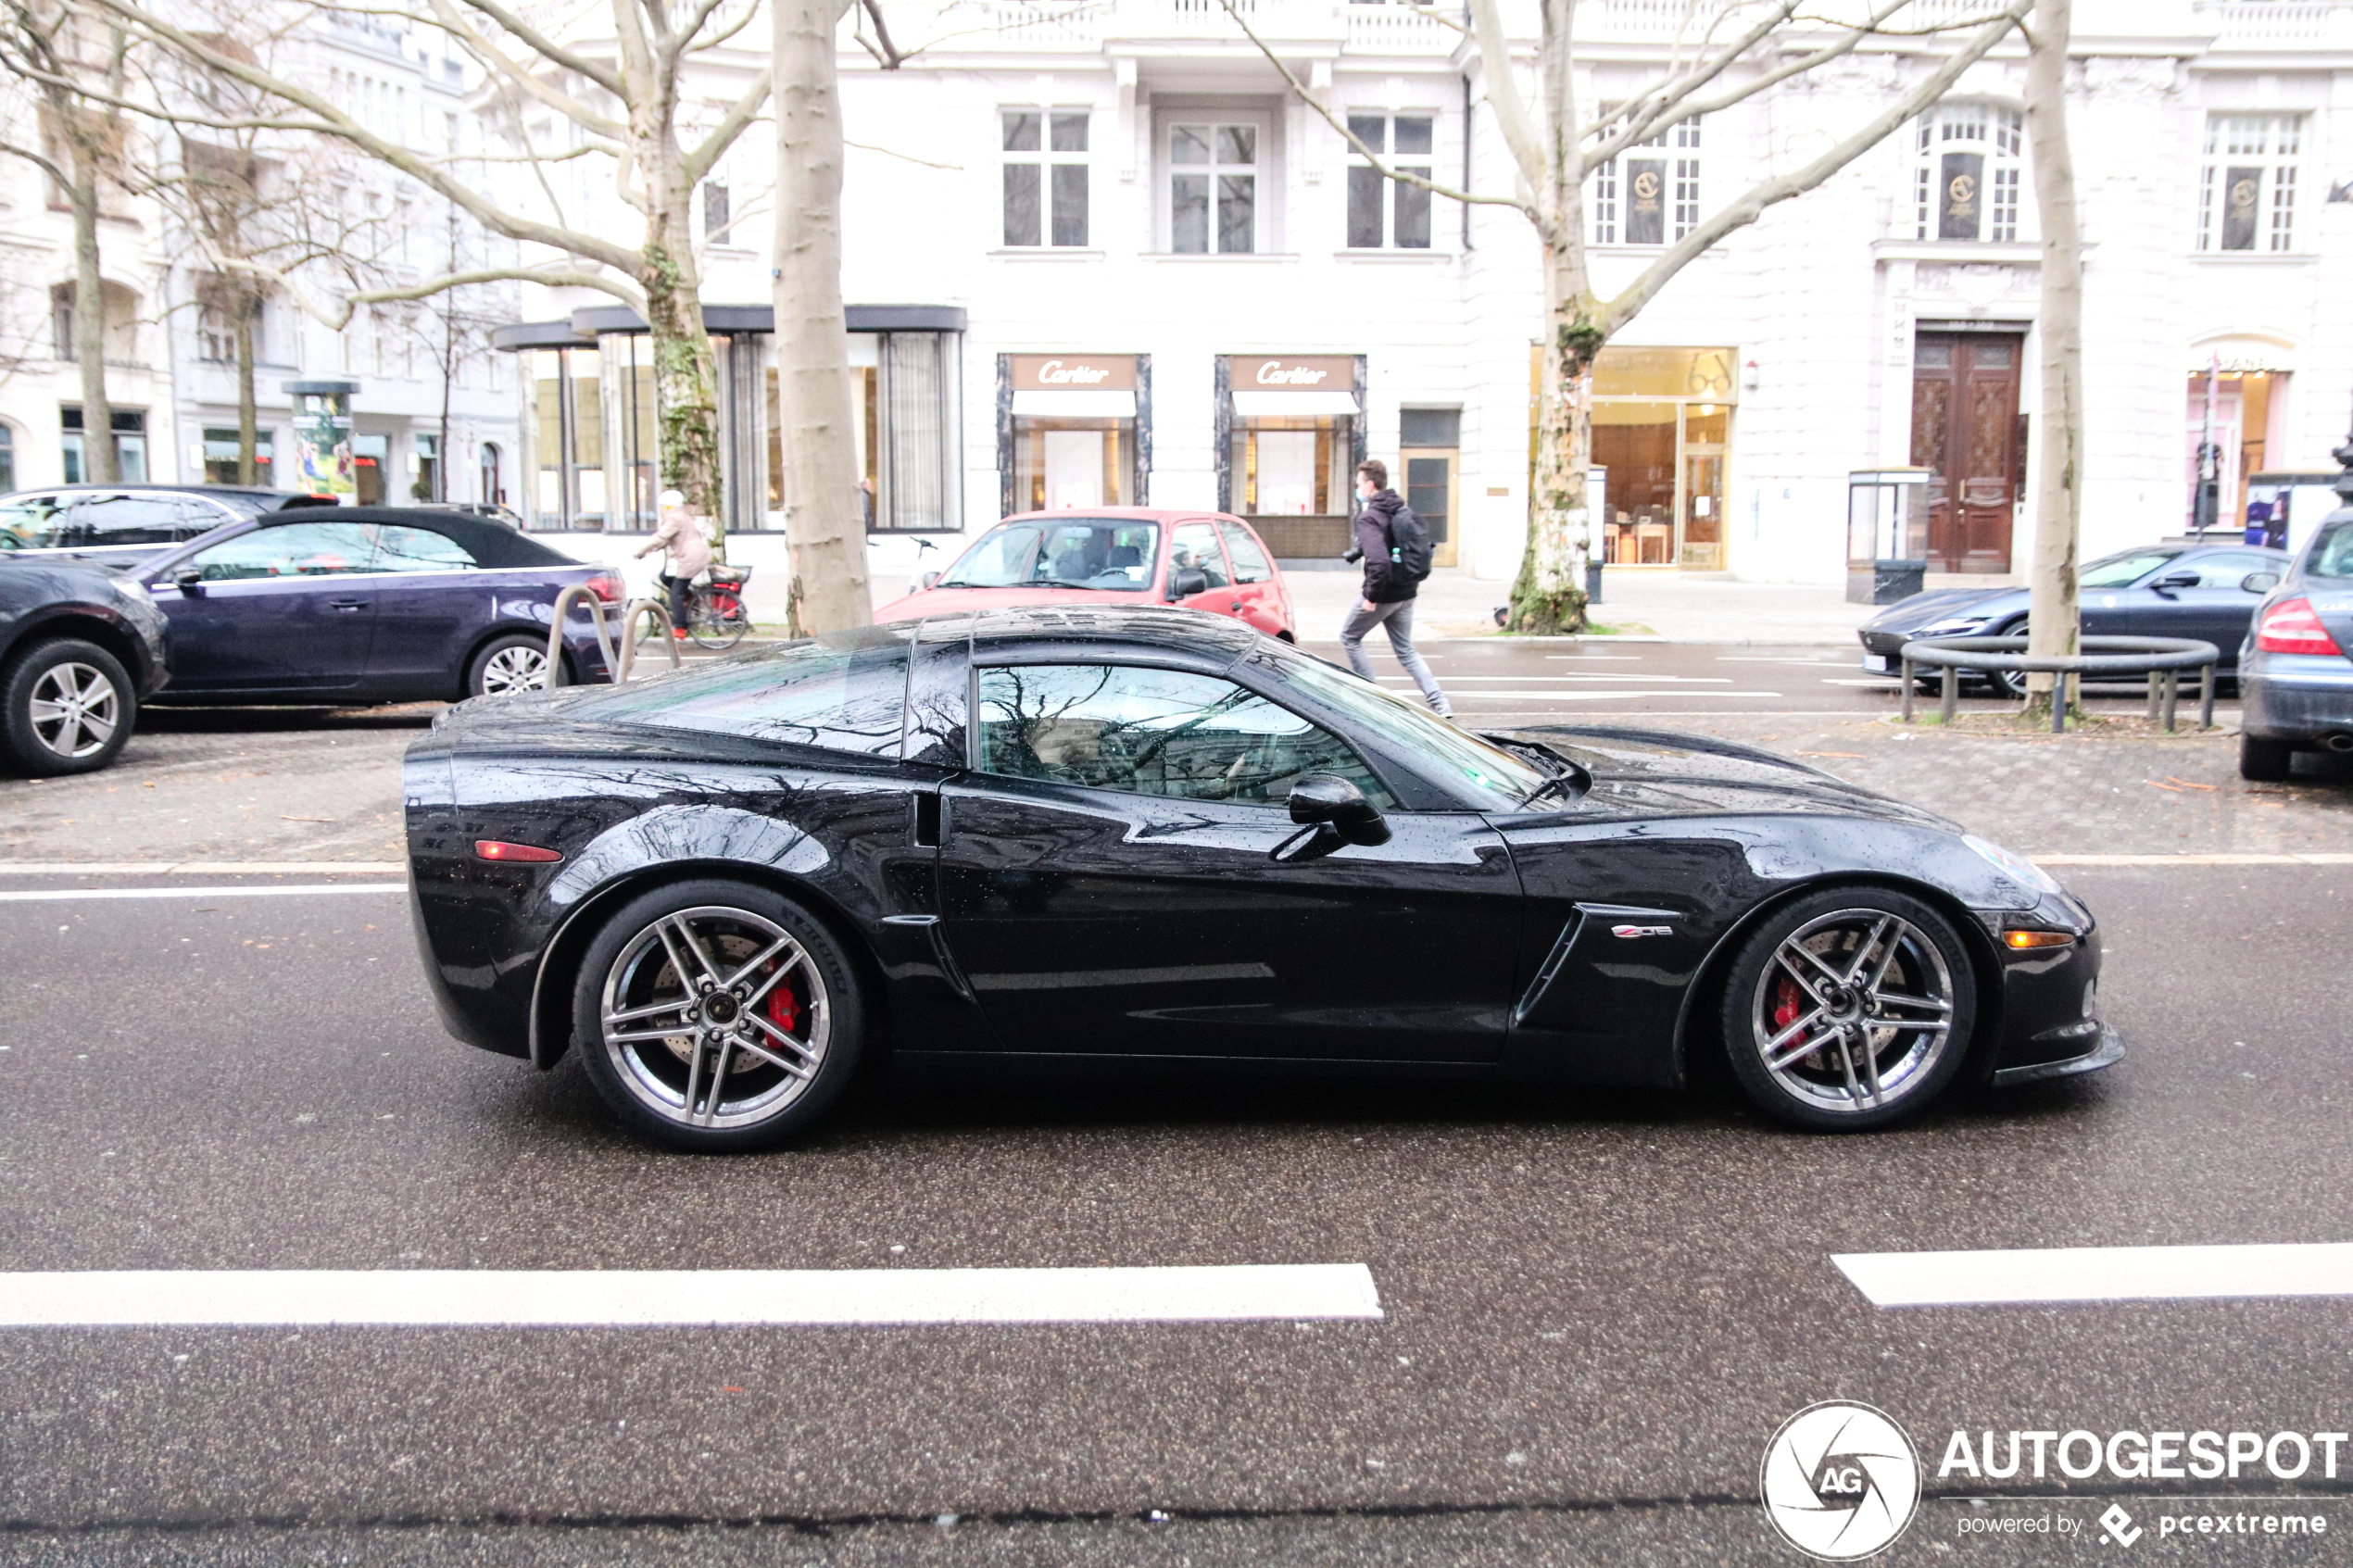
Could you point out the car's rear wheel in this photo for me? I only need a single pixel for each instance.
(2265, 761)
(514, 663)
(70, 707)
(718, 1017)
(1849, 1009)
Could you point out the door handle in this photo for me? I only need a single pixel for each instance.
(1236, 606)
(347, 604)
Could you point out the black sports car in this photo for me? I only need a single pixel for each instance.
(1081, 837)
(80, 649)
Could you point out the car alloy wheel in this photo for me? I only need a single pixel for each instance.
(714, 1019)
(515, 668)
(74, 710)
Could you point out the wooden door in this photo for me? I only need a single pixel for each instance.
(1965, 432)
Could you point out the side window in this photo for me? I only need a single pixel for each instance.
(2229, 571)
(401, 548)
(846, 692)
(130, 520)
(1250, 563)
(29, 522)
(1154, 731)
(299, 549)
(1195, 543)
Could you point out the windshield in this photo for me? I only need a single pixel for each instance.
(1495, 779)
(2332, 552)
(1096, 552)
(2121, 571)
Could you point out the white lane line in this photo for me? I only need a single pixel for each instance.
(1654, 680)
(2100, 1273)
(1593, 696)
(498, 1297)
(1619, 658)
(1882, 684)
(1809, 663)
(2192, 859)
(203, 868)
(75, 895)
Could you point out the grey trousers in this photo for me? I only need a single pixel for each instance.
(1397, 620)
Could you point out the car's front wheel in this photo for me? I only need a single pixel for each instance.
(2265, 761)
(70, 707)
(1849, 1009)
(514, 663)
(717, 1016)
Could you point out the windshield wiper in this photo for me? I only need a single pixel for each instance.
(1558, 781)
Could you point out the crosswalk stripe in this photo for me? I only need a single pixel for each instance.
(2100, 1273)
(686, 1298)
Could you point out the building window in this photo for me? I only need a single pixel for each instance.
(61, 322)
(918, 422)
(220, 465)
(1382, 211)
(2246, 190)
(129, 445)
(7, 459)
(1649, 193)
(1045, 177)
(715, 219)
(1969, 161)
(1213, 189)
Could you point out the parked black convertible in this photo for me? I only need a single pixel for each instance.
(1075, 837)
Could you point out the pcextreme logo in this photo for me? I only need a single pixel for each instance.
(1839, 1480)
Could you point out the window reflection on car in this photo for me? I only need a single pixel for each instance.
(1494, 778)
(1155, 732)
(843, 692)
(2123, 570)
(299, 549)
(1110, 553)
(419, 549)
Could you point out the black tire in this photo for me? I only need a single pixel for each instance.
(70, 707)
(675, 1088)
(512, 661)
(2265, 761)
(1875, 1060)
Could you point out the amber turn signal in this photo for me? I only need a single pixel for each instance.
(2038, 938)
(492, 849)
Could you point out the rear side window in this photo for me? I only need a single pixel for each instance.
(2229, 570)
(1250, 563)
(843, 692)
(1195, 545)
(132, 519)
(2122, 572)
(400, 549)
(29, 522)
(2332, 552)
(300, 549)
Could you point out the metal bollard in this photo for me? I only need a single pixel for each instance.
(2205, 696)
(2156, 693)
(2058, 703)
(1908, 678)
(1952, 694)
(2173, 697)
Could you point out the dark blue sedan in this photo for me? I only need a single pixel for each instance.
(367, 605)
(2209, 592)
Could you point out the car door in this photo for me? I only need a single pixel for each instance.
(282, 609)
(1195, 547)
(430, 602)
(2218, 607)
(1107, 885)
(1255, 589)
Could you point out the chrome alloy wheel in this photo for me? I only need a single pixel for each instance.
(75, 710)
(715, 1018)
(519, 668)
(1855, 1009)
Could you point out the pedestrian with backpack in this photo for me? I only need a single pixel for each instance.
(1396, 548)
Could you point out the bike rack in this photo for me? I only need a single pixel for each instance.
(618, 661)
(661, 614)
(2163, 657)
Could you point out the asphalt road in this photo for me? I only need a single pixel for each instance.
(1598, 1308)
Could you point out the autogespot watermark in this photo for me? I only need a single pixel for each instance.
(1840, 1482)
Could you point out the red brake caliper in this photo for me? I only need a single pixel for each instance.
(784, 1008)
(1786, 1003)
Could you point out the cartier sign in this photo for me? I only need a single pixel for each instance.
(1074, 373)
(1266, 372)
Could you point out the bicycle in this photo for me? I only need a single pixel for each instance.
(716, 618)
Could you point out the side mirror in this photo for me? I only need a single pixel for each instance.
(1186, 581)
(928, 577)
(1330, 813)
(190, 580)
(2259, 582)
(2173, 582)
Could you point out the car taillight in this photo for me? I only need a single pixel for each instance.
(494, 849)
(606, 588)
(2291, 626)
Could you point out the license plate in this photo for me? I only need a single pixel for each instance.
(1880, 663)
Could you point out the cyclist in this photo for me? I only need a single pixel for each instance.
(688, 555)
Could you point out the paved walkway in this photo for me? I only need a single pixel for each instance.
(1637, 602)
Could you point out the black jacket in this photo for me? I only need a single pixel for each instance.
(1384, 581)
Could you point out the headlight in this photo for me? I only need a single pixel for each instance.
(2018, 868)
(1951, 628)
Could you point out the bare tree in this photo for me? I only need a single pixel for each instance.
(77, 84)
(1728, 52)
(2054, 619)
(622, 99)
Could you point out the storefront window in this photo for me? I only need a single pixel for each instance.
(1070, 436)
(1662, 429)
(549, 418)
(2234, 412)
(631, 430)
(220, 465)
(367, 469)
(1292, 449)
(919, 479)
(588, 499)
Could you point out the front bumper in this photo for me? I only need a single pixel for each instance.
(2107, 1053)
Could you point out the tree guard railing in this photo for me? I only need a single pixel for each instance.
(2161, 659)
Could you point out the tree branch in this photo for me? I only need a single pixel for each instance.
(1642, 124)
(739, 115)
(1502, 94)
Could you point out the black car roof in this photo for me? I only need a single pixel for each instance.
(491, 543)
(1189, 630)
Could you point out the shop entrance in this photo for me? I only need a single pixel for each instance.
(1965, 432)
(1429, 457)
(1662, 431)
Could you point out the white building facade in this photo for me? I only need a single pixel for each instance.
(1102, 256)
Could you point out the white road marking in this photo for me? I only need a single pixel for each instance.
(1621, 658)
(1591, 697)
(75, 895)
(628, 1297)
(2192, 859)
(1810, 663)
(203, 868)
(1879, 686)
(1654, 680)
(2100, 1273)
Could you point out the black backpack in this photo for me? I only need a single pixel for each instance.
(1409, 545)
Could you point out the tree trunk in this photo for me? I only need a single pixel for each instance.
(824, 520)
(89, 324)
(248, 422)
(2054, 625)
(1548, 598)
(685, 374)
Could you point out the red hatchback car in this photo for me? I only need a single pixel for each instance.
(1112, 554)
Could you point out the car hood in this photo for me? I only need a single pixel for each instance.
(1657, 773)
(1943, 603)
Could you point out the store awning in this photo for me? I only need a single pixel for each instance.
(1302, 404)
(1072, 405)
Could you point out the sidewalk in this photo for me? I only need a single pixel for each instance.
(1634, 602)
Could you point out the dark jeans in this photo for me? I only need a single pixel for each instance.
(677, 588)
